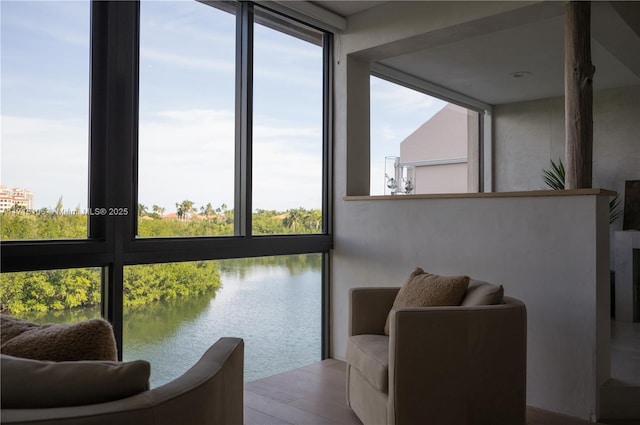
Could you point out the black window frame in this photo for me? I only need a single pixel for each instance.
(113, 148)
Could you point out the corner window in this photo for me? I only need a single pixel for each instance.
(187, 141)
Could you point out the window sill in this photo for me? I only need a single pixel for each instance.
(521, 194)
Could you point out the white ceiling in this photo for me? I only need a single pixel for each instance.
(347, 8)
(479, 61)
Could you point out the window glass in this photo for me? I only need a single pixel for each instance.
(51, 296)
(174, 312)
(287, 127)
(421, 144)
(187, 116)
(44, 119)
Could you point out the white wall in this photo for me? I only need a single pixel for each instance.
(546, 251)
(528, 134)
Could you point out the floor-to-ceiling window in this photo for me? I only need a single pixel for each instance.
(45, 119)
(206, 151)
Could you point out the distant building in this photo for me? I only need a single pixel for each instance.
(444, 152)
(15, 196)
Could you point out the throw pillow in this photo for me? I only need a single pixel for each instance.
(11, 327)
(87, 340)
(482, 293)
(429, 290)
(34, 384)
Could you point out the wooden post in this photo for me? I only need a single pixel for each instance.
(578, 95)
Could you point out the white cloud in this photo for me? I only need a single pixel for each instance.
(49, 157)
(395, 96)
(388, 133)
(189, 154)
(280, 131)
(63, 21)
(186, 61)
(189, 20)
(186, 154)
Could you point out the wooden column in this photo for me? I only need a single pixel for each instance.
(578, 93)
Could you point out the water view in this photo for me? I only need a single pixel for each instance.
(273, 303)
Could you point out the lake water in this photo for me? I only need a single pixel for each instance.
(275, 308)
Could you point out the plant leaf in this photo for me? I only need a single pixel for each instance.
(554, 177)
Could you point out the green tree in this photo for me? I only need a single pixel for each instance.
(59, 206)
(184, 208)
(18, 208)
(157, 210)
(54, 290)
(143, 210)
(208, 210)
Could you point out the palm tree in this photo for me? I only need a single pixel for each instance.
(142, 210)
(208, 210)
(184, 208)
(294, 218)
(157, 210)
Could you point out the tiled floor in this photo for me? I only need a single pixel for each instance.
(315, 395)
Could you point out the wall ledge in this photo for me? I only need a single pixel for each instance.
(523, 194)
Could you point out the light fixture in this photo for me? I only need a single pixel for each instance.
(520, 74)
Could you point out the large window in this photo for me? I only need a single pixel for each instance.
(183, 141)
(44, 121)
(287, 127)
(187, 123)
(270, 302)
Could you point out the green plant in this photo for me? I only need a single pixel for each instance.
(554, 178)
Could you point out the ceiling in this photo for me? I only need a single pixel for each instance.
(479, 59)
(347, 8)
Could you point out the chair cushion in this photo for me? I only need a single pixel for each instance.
(482, 293)
(370, 355)
(87, 340)
(28, 384)
(429, 290)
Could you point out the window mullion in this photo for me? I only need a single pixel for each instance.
(113, 181)
(327, 138)
(244, 119)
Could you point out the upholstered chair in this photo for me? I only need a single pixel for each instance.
(461, 365)
(211, 392)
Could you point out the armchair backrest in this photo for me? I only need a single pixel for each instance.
(446, 365)
(469, 362)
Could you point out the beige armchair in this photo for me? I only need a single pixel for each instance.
(439, 365)
(211, 392)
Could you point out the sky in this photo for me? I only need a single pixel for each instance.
(186, 127)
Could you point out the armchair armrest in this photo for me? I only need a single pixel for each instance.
(210, 392)
(368, 309)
